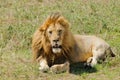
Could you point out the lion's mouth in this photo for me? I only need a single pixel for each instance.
(56, 48)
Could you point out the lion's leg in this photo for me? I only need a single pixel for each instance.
(59, 68)
(98, 53)
(43, 65)
(91, 62)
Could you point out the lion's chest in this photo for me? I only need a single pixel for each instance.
(54, 59)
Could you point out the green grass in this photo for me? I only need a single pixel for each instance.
(20, 18)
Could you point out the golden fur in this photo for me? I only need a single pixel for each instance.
(77, 48)
(41, 45)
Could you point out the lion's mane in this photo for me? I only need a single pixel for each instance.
(41, 45)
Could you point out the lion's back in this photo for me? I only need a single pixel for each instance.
(88, 41)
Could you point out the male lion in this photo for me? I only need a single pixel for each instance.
(54, 46)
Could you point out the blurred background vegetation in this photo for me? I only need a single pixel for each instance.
(20, 18)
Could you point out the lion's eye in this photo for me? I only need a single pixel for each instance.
(50, 32)
(59, 32)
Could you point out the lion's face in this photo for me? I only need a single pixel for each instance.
(55, 34)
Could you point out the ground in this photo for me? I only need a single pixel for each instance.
(20, 18)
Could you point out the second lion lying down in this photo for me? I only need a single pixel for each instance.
(54, 46)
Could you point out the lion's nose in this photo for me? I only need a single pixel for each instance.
(56, 40)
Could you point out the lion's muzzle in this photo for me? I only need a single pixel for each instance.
(56, 48)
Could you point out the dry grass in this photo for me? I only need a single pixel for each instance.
(20, 18)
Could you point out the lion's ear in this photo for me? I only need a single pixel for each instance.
(48, 21)
(45, 25)
(42, 28)
(63, 22)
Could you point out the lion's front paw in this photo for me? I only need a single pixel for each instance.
(56, 69)
(60, 68)
(44, 68)
(43, 65)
